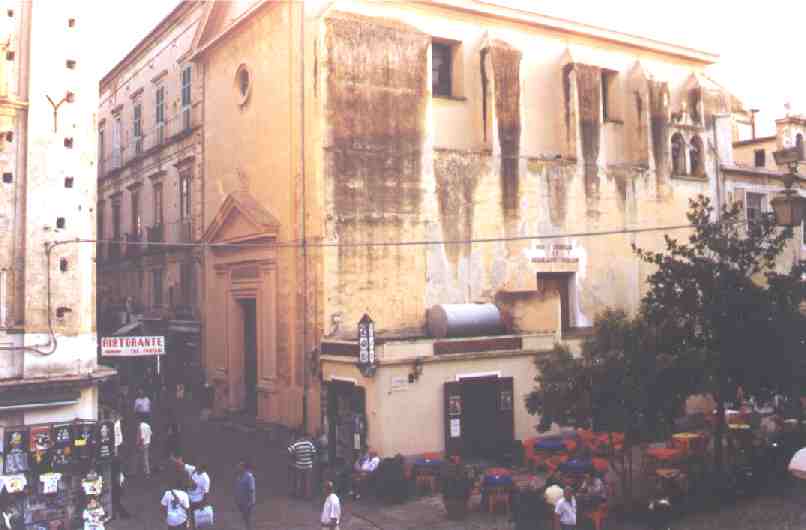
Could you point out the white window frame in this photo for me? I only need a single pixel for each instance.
(159, 112)
(3, 299)
(137, 118)
(186, 96)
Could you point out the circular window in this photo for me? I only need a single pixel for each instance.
(243, 82)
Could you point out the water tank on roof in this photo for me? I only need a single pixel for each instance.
(464, 320)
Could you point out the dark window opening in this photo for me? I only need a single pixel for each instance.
(678, 155)
(71, 22)
(156, 280)
(62, 311)
(243, 82)
(10, 56)
(9, 136)
(71, 64)
(799, 140)
(696, 153)
(8, 177)
(68, 182)
(754, 210)
(63, 264)
(441, 69)
(68, 143)
(61, 222)
(608, 83)
(760, 158)
(10, 12)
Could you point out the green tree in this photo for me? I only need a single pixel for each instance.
(705, 303)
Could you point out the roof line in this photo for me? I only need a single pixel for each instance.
(138, 48)
(576, 28)
(254, 8)
(754, 140)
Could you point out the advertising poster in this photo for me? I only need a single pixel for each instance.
(62, 445)
(16, 445)
(40, 444)
(84, 441)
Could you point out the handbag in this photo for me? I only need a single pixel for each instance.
(204, 517)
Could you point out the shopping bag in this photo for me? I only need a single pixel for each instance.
(204, 517)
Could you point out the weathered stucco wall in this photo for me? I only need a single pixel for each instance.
(440, 191)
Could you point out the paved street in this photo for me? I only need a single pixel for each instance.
(221, 444)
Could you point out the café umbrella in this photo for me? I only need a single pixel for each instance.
(797, 466)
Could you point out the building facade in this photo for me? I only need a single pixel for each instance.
(149, 183)
(396, 160)
(48, 101)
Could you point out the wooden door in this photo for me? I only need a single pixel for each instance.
(506, 415)
(480, 416)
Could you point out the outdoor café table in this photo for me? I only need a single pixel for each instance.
(664, 453)
(497, 476)
(577, 466)
(552, 444)
(685, 441)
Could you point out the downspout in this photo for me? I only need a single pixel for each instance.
(305, 383)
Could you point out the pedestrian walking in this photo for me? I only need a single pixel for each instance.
(142, 406)
(117, 491)
(566, 510)
(245, 492)
(303, 450)
(143, 445)
(331, 511)
(200, 489)
(176, 507)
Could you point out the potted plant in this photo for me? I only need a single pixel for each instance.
(457, 483)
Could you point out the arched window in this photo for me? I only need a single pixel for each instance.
(678, 154)
(696, 154)
(798, 140)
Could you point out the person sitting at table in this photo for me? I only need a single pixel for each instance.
(364, 468)
(592, 492)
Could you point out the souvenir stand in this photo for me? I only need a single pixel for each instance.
(50, 471)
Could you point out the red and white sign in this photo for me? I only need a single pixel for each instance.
(132, 346)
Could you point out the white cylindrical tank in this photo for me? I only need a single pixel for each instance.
(464, 320)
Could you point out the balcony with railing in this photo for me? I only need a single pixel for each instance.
(155, 234)
(178, 126)
(133, 246)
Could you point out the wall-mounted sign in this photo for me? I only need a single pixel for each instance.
(132, 346)
(555, 253)
(366, 346)
(456, 428)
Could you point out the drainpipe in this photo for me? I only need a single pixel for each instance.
(305, 383)
(717, 172)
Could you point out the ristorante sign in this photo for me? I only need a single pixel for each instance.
(132, 346)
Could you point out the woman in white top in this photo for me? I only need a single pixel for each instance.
(176, 506)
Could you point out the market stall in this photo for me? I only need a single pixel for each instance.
(50, 472)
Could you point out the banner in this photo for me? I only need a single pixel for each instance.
(132, 346)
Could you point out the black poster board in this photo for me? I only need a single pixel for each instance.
(84, 440)
(16, 444)
(41, 440)
(62, 446)
(106, 440)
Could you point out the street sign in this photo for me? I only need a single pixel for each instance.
(132, 346)
(366, 345)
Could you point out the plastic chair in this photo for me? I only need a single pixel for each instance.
(498, 495)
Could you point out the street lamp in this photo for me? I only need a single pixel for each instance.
(789, 206)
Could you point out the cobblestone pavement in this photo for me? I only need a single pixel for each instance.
(221, 444)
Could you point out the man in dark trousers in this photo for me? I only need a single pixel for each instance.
(118, 509)
(303, 452)
(245, 492)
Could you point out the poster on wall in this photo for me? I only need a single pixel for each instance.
(455, 405)
(84, 441)
(106, 440)
(62, 445)
(505, 400)
(456, 428)
(16, 444)
(41, 443)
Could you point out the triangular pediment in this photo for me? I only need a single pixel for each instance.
(241, 219)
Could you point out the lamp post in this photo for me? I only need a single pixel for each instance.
(789, 206)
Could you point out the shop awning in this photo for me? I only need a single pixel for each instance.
(33, 397)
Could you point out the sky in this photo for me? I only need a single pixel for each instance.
(760, 44)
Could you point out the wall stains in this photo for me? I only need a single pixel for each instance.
(588, 81)
(457, 174)
(506, 62)
(659, 123)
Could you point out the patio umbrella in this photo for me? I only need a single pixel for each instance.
(797, 466)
